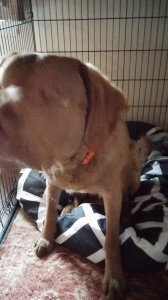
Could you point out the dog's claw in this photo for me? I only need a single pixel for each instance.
(43, 247)
(113, 290)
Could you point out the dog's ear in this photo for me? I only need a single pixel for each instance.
(115, 102)
(106, 104)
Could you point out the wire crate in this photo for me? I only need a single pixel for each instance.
(8, 202)
(126, 39)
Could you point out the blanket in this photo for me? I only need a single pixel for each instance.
(144, 242)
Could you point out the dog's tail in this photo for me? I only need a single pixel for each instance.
(143, 148)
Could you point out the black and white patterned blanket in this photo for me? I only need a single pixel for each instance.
(144, 244)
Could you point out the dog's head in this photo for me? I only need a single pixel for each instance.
(50, 105)
(42, 109)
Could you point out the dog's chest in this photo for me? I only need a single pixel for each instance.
(74, 181)
(79, 178)
(74, 176)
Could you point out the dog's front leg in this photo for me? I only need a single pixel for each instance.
(46, 242)
(113, 284)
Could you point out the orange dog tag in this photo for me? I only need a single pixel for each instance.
(89, 155)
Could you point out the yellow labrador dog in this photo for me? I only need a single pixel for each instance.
(65, 118)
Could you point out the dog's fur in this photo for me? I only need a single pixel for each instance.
(65, 118)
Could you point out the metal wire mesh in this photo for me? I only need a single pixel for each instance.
(8, 202)
(126, 39)
(16, 34)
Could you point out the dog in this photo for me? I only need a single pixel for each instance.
(66, 118)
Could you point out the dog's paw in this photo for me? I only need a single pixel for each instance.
(43, 247)
(113, 290)
(70, 207)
